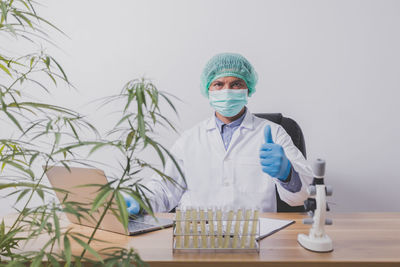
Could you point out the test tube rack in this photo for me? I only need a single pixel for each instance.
(214, 230)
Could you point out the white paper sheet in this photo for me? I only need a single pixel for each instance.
(271, 226)
(267, 226)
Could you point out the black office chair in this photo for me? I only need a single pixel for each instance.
(294, 130)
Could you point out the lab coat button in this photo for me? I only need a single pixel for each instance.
(226, 183)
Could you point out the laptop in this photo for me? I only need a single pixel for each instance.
(73, 181)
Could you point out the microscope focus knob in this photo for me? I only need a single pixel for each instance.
(310, 204)
(308, 221)
(319, 168)
(311, 190)
(328, 190)
(328, 221)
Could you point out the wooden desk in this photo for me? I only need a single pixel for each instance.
(360, 239)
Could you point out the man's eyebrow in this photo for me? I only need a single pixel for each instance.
(237, 80)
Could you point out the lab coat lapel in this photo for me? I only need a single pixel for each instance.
(247, 123)
(217, 144)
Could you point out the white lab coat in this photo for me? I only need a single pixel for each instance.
(227, 178)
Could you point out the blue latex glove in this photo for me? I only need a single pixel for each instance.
(273, 159)
(132, 205)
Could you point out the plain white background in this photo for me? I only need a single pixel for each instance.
(333, 66)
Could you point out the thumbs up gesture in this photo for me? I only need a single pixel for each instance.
(132, 205)
(273, 159)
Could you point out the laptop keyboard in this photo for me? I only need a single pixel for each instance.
(147, 223)
(137, 226)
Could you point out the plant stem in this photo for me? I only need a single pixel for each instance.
(104, 212)
(33, 191)
(20, 77)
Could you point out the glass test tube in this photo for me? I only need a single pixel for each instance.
(237, 228)
(219, 227)
(178, 229)
(245, 228)
(203, 229)
(211, 227)
(254, 228)
(228, 229)
(194, 229)
(187, 228)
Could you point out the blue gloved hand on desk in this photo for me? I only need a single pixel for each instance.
(273, 159)
(132, 205)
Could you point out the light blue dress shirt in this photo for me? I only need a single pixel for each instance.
(227, 130)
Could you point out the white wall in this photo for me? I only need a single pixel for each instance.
(333, 66)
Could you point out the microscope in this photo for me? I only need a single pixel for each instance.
(317, 240)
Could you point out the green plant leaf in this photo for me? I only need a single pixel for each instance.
(101, 198)
(96, 147)
(60, 68)
(73, 129)
(67, 250)
(56, 225)
(5, 69)
(37, 261)
(124, 118)
(122, 209)
(31, 61)
(53, 261)
(11, 28)
(4, 12)
(20, 167)
(22, 194)
(167, 121)
(57, 138)
(48, 106)
(87, 247)
(33, 157)
(129, 138)
(52, 77)
(47, 61)
(20, 15)
(155, 145)
(40, 193)
(13, 119)
(42, 19)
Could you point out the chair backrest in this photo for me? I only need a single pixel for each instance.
(294, 131)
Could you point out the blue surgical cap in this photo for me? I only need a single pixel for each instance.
(228, 64)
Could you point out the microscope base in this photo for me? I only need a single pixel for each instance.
(321, 244)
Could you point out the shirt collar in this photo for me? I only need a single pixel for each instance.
(234, 123)
(245, 121)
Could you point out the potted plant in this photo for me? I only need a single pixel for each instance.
(46, 134)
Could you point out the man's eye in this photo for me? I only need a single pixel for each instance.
(236, 84)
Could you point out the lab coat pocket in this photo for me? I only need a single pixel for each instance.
(248, 175)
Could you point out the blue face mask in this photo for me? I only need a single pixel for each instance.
(228, 102)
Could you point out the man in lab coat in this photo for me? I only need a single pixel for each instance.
(233, 159)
